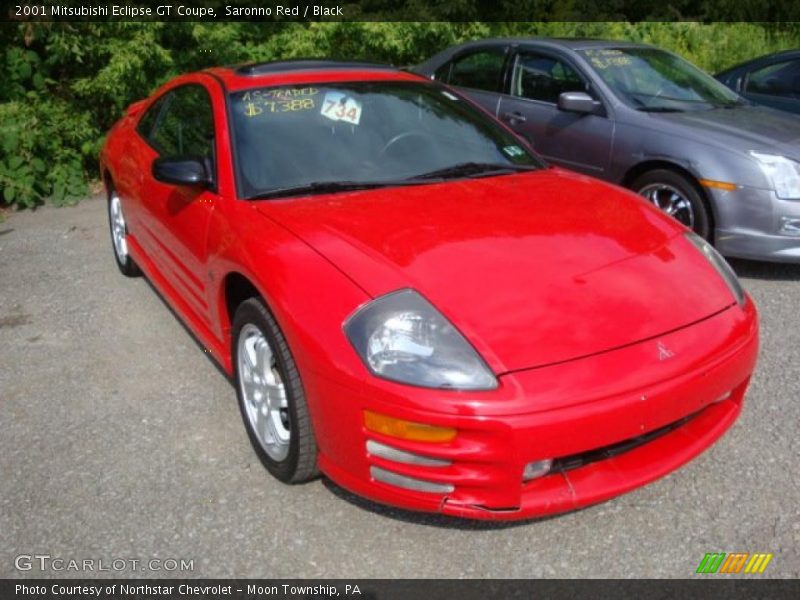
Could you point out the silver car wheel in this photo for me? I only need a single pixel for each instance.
(118, 228)
(263, 392)
(671, 201)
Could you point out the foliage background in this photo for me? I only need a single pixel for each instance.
(64, 84)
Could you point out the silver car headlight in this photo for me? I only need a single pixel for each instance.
(402, 337)
(784, 173)
(720, 264)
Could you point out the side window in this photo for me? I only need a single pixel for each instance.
(186, 125)
(540, 77)
(480, 70)
(443, 73)
(148, 120)
(782, 79)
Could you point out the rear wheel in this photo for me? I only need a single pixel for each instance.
(119, 236)
(677, 196)
(271, 396)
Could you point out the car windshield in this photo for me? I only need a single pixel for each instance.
(649, 79)
(340, 136)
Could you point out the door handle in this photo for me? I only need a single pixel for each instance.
(514, 116)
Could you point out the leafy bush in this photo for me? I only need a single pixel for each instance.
(64, 84)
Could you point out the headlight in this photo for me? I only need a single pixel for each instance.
(720, 264)
(402, 337)
(783, 172)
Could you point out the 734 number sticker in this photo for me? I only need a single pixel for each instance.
(339, 107)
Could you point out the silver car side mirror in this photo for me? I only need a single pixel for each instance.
(578, 102)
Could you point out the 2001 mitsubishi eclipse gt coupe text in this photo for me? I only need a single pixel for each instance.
(412, 303)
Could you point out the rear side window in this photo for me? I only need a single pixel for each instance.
(782, 79)
(185, 126)
(481, 70)
(544, 78)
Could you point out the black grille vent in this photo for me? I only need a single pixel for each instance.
(575, 461)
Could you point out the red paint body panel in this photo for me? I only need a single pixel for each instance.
(558, 274)
(569, 288)
(490, 452)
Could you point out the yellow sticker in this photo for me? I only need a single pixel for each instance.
(611, 61)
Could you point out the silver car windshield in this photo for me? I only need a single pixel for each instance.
(652, 80)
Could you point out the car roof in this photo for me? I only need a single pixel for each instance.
(306, 70)
(557, 42)
(766, 58)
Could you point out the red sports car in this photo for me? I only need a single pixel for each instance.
(411, 302)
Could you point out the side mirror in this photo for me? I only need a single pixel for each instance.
(578, 102)
(181, 171)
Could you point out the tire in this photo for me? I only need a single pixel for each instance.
(118, 228)
(662, 186)
(257, 342)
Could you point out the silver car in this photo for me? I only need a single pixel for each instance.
(648, 120)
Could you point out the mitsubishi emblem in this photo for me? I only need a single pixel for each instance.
(663, 352)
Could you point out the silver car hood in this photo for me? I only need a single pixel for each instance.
(742, 128)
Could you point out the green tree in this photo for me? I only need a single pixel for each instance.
(64, 84)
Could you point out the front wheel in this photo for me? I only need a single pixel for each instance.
(677, 196)
(271, 396)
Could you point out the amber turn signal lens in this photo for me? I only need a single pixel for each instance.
(407, 430)
(720, 185)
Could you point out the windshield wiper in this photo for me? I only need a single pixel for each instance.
(327, 187)
(729, 105)
(659, 109)
(473, 169)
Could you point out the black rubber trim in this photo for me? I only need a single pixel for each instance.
(231, 129)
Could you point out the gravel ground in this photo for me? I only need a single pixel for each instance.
(120, 439)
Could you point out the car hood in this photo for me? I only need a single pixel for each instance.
(742, 128)
(533, 269)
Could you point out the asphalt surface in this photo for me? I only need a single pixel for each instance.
(119, 439)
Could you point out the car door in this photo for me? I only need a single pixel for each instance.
(776, 85)
(175, 218)
(577, 141)
(478, 72)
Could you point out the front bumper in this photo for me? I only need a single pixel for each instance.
(754, 223)
(573, 409)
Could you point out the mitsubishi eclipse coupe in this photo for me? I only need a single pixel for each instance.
(411, 302)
